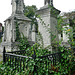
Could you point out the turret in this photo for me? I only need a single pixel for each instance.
(48, 2)
(17, 6)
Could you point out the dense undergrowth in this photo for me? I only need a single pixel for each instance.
(66, 67)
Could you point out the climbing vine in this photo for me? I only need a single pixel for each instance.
(23, 41)
(17, 32)
(64, 68)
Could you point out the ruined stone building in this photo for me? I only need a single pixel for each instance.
(10, 24)
(47, 15)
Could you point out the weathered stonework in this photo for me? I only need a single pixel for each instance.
(48, 2)
(51, 21)
(47, 15)
(10, 25)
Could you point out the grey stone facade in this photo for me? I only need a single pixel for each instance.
(10, 25)
(24, 23)
(51, 21)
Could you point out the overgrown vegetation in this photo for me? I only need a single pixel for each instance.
(43, 66)
(66, 67)
(29, 11)
(23, 41)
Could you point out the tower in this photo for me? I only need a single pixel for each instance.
(17, 6)
(48, 2)
(23, 22)
(47, 26)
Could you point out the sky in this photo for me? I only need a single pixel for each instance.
(62, 5)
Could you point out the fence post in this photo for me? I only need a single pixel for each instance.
(34, 57)
(74, 50)
(4, 51)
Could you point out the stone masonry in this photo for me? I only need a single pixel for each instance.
(50, 20)
(24, 23)
(10, 25)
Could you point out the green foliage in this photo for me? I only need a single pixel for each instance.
(6, 70)
(44, 66)
(40, 39)
(60, 24)
(29, 12)
(54, 12)
(65, 67)
(18, 36)
(23, 41)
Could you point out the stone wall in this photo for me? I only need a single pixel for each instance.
(49, 29)
(54, 31)
(43, 29)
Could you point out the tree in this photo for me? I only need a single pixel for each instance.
(29, 11)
